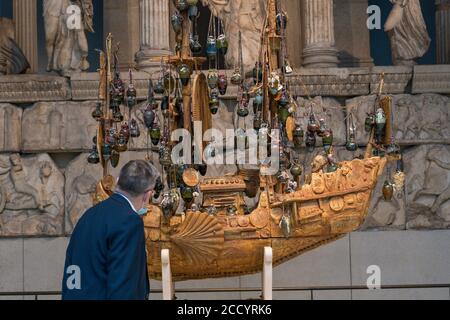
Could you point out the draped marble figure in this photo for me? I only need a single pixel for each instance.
(407, 32)
(12, 59)
(67, 48)
(246, 16)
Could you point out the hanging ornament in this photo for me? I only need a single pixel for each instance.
(213, 78)
(115, 158)
(211, 47)
(192, 2)
(283, 115)
(155, 134)
(170, 203)
(223, 83)
(313, 126)
(117, 115)
(184, 72)
(310, 141)
(159, 87)
(181, 4)
(214, 102)
(165, 158)
(222, 44)
(165, 105)
(125, 131)
(327, 140)
(195, 45)
(97, 114)
(369, 123)
(94, 157)
(281, 22)
(134, 129)
(169, 82)
(257, 73)
(121, 144)
(149, 117)
(388, 190)
(296, 170)
(131, 92)
(257, 122)
(236, 77)
(351, 144)
(380, 122)
(284, 99)
(106, 151)
(242, 110)
(274, 84)
(193, 12)
(299, 137)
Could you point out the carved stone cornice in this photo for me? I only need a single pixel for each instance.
(33, 88)
(431, 79)
(397, 79)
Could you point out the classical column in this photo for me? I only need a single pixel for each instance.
(443, 31)
(25, 19)
(154, 17)
(319, 50)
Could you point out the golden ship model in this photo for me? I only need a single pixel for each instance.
(221, 239)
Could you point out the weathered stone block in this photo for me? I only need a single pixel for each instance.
(434, 79)
(10, 128)
(58, 126)
(11, 266)
(416, 119)
(31, 196)
(81, 179)
(428, 187)
(28, 88)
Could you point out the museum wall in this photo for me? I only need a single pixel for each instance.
(46, 182)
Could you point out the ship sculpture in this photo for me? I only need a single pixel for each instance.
(221, 238)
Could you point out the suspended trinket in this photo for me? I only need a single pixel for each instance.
(115, 158)
(159, 87)
(369, 123)
(214, 102)
(283, 115)
(281, 22)
(134, 129)
(286, 225)
(223, 83)
(213, 78)
(165, 158)
(106, 151)
(170, 203)
(165, 106)
(351, 144)
(211, 47)
(380, 123)
(257, 73)
(121, 144)
(131, 92)
(310, 141)
(242, 111)
(117, 91)
(284, 99)
(313, 126)
(195, 45)
(257, 122)
(299, 137)
(388, 190)
(111, 137)
(193, 12)
(117, 115)
(192, 2)
(202, 169)
(332, 163)
(181, 4)
(222, 44)
(236, 77)
(93, 157)
(149, 117)
(155, 134)
(159, 187)
(179, 105)
(184, 72)
(125, 131)
(259, 98)
(97, 114)
(274, 84)
(296, 170)
(327, 139)
(187, 193)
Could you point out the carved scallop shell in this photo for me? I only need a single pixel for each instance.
(200, 238)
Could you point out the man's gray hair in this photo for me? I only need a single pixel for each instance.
(137, 177)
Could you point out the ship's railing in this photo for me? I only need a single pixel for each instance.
(45, 295)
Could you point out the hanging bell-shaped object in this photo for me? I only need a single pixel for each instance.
(184, 72)
(125, 131)
(121, 144)
(97, 114)
(195, 45)
(106, 151)
(155, 135)
(134, 129)
(181, 4)
(236, 77)
(310, 140)
(380, 123)
(257, 73)
(296, 170)
(257, 122)
(222, 83)
(187, 193)
(327, 139)
(165, 158)
(159, 87)
(93, 157)
(259, 98)
(131, 96)
(299, 137)
(115, 158)
(211, 47)
(242, 111)
(351, 144)
(213, 79)
(165, 105)
(388, 190)
(117, 116)
(281, 22)
(193, 11)
(284, 99)
(214, 102)
(369, 123)
(222, 44)
(149, 117)
(170, 203)
(274, 84)
(313, 126)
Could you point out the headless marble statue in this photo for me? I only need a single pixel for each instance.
(12, 59)
(407, 32)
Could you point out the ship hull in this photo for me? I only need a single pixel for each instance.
(204, 246)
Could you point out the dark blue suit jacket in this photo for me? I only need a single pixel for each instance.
(106, 257)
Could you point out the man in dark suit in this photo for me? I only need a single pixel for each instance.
(106, 257)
